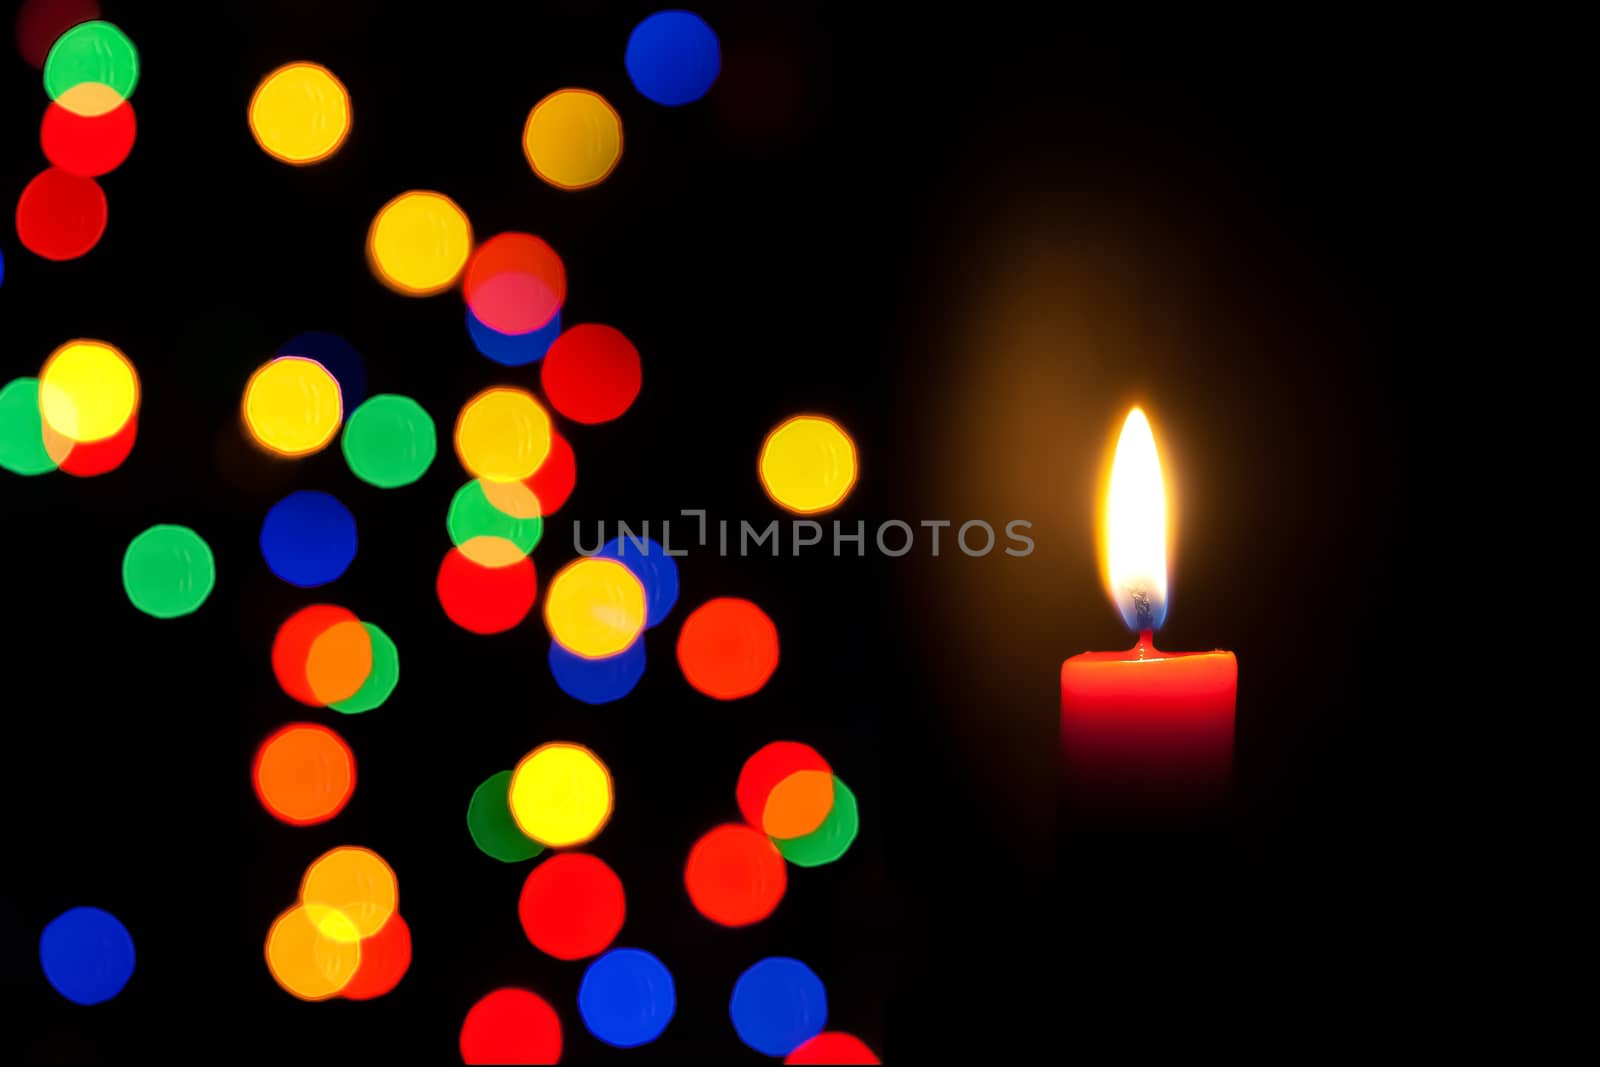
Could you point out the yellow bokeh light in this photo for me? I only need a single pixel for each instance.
(573, 138)
(808, 464)
(513, 498)
(349, 893)
(292, 406)
(595, 607)
(90, 99)
(87, 391)
(419, 243)
(307, 962)
(561, 795)
(300, 113)
(502, 435)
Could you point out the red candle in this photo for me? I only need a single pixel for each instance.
(1144, 729)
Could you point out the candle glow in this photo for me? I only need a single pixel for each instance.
(1134, 530)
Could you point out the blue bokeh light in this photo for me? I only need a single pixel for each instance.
(513, 349)
(673, 58)
(778, 1005)
(2, 266)
(87, 955)
(338, 357)
(656, 571)
(627, 998)
(308, 538)
(598, 681)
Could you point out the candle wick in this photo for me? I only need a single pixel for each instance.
(1143, 610)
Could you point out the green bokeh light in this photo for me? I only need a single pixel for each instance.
(493, 829)
(92, 52)
(389, 441)
(168, 571)
(473, 514)
(381, 682)
(21, 430)
(830, 840)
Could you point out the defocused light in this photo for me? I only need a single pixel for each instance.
(728, 648)
(337, 356)
(597, 681)
(798, 805)
(419, 242)
(771, 764)
(40, 22)
(313, 960)
(487, 535)
(515, 284)
(735, 875)
(572, 906)
(292, 406)
(502, 434)
(778, 1005)
(87, 391)
(385, 675)
(485, 600)
(87, 955)
(349, 890)
(95, 52)
(595, 607)
(673, 58)
(833, 1048)
(656, 571)
(304, 774)
(291, 647)
(830, 840)
(96, 457)
(390, 441)
(88, 145)
(513, 499)
(168, 571)
(511, 1026)
(808, 464)
(573, 138)
(512, 349)
(591, 374)
(300, 113)
(308, 538)
(553, 482)
(339, 663)
(493, 829)
(61, 216)
(385, 958)
(627, 998)
(561, 795)
(22, 447)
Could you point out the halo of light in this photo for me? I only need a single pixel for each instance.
(656, 571)
(808, 464)
(292, 406)
(292, 645)
(389, 441)
(40, 22)
(591, 373)
(597, 681)
(356, 886)
(798, 805)
(561, 795)
(88, 145)
(573, 139)
(94, 458)
(673, 58)
(572, 906)
(304, 774)
(511, 1026)
(61, 216)
(476, 525)
(22, 446)
(88, 390)
(778, 1005)
(833, 1047)
(168, 571)
(385, 958)
(728, 648)
(339, 662)
(512, 349)
(313, 958)
(626, 998)
(419, 243)
(502, 435)
(300, 113)
(595, 607)
(553, 482)
(735, 875)
(485, 600)
(769, 765)
(337, 356)
(308, 538)
(493, 829)
(381, 680)
(95, 52)
(515, 284)
(87, 955)
(832, 839)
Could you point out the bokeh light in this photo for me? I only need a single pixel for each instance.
(349, 888)
(502, 435)
(572, 906)
(595, 607)
(735, 875)
(419, 243)
(832, 839)
(591, 374)
(304, 774)
(778, 1005)
(92, 52)
(573, 138)
(512, 349)
(673, 58)
(771, 764)
(553, 482)
(292, 406)
(339, 662)
(308, 538)
(798, 805)
(833, 1047)
(385, 958)
(337, 356)
(291, 647)
(382, 679)
(627, 998)
(728, 648)
(511, 1026)
(313, 958)
(487, 535)
(808, 464)
(61, 216)
(88, 391)
(493, 829)
(300, 113)
(87, 955)
(88, 145)
(168, 571)
(597, 681)
(515, 284)
(88, 460)
(22, 447)
(485, 600)
(656, 571)
(561, 795)
(41, 22)
(390, 441)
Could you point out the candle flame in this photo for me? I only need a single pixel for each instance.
(1135, 531)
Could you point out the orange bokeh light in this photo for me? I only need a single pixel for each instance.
(304, 774)
(728, 648)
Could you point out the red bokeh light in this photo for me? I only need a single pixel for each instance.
(735, 875)
(292, 648)
(60, 215)
(591, 373)
(514, 283)
(41, 22)
(88, 459)
(385, 958)
(88, 145)
(486, 600)
(833, 1048)
(572, 906)
(553, 482)
(770, 765)
(728, 648)
(511, 1026)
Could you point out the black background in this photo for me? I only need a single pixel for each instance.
(974, 238)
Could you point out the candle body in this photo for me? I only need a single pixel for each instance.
(1147, 731)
